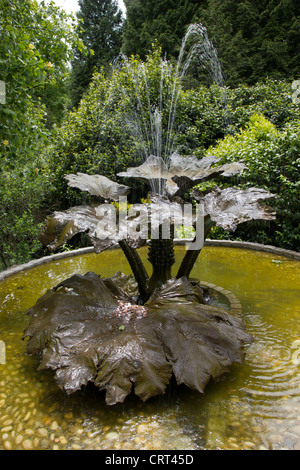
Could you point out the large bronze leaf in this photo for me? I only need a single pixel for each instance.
(93, 220)
(98, 185)
(182, 172)
(189, 171)
(87, 334)
(153, 168)
(230, 207)
(88, 330)
(63, 225)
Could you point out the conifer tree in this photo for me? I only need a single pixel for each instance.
(164, 21)
(100, 28)
(255, 39)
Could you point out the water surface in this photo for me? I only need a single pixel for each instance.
(257, 406)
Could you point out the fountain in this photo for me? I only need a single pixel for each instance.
(135, 332)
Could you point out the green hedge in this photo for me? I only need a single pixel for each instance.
(273, 162)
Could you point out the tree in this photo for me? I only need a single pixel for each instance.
(35, 48)
(100, 27)
(254, 39)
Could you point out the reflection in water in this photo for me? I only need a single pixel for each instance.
(255, 407)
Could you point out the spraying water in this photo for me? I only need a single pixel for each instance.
(152, 119)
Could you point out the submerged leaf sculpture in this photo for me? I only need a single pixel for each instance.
(90, 329)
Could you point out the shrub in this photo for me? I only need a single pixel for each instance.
(97, 138)
(272, 159)
(23, 193)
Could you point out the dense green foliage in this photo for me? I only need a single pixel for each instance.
(23, 209)
(272, 159)
(254, 39)
(164, 21)
(100, 28)
(35, 47)
(211, 112)
(40, 141)
(100, 136)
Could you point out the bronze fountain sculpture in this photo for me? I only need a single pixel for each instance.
(134, 332)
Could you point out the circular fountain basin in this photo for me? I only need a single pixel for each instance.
(256, 406)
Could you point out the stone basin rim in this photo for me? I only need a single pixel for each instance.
(177, 242)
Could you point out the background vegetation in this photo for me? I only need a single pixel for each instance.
(255, 39)
(64, 109)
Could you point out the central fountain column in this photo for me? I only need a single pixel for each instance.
(161, 256)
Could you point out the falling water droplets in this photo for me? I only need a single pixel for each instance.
(152, 120)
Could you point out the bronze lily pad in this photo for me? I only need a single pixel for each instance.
(88, 329)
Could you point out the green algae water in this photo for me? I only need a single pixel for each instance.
(256, 406)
